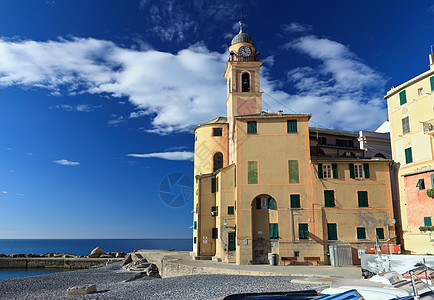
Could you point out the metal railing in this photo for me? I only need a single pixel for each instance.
(428, 127)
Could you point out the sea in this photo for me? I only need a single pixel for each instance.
(80, 247)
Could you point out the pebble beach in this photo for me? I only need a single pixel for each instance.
(110, 282)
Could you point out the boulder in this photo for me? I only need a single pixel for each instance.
(82, 289)
(17, 255)
(3, 255)
(58, 255)
(127, 260)
(96, 253)
(106, 255)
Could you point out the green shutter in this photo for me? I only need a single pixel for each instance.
(230, 210)
(366, 169)
(352, 174)
(215, 233)
(195, 225)
(431, 80)
(293, 171)
(335, 170)
(329, 198)
(274, 231)
(303, 231)
(291, 126)
(332, 232)
(295, 201)
(235, 176)
(361, 233)
(258, 203)
(402, 98)
(427, 221)
(213, 185)
(408, 156)
(252, 127)
(270, 203)
(380, 233)
(320, 172)
(252, 172)
(363, 198)
(217, 184)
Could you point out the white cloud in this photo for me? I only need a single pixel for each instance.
(29, 154)
(4, 192)
(20, 194)
(297, 27)
(178, 91)
(78, 107)
(65, 162)
(138, 114)
(176, 155)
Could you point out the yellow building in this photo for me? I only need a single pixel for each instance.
(411, 115)
(267, 183)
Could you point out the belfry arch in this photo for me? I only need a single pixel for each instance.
(217, 161)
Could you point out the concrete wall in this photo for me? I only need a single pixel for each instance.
(66, 263)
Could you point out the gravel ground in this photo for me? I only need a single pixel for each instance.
(110, 285)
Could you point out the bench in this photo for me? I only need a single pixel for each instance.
(313, 258)
(290, 259)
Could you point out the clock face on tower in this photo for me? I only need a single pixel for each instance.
(244, 51)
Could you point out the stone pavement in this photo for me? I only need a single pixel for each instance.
(171, 262)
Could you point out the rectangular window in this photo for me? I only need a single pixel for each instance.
(332, 232)
(420, 91)
(217, 131)
(235, 176)
(274, 231)
(295, 201)
(427, 221)
(405, 125)
(252, 176)
(293, 171)
(213, 185)
(361, 233)
(195, 225)
(363, 198)
(231, 210)
(252, 127)
(194, 240)
(291, 126)
(358, 171)
(329, 198)
(303, 231)
(421, 184)
(215, 233)
(431, 80)
(215, 211)
(402, 98)
(380, 233)
(322, 140)
(408, 156)
(327, 171)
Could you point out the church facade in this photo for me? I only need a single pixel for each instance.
(267, 183)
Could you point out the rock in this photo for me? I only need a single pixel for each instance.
(96, 253)
(82, 289)
(69, 256)
(136, 276)
(58, 255)
(32, 255)
(120, 254)
(152, 271)
(3, 255)
(17, 255)
(127, 260)
(107, 255)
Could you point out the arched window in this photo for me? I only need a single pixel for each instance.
(380, 155)
(218, 161)
(245, 81)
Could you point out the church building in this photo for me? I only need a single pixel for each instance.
(267, 183)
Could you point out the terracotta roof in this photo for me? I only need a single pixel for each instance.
(333, 132)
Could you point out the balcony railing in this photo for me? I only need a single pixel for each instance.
(235, 57)
(428, 127)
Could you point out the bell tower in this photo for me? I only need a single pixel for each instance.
(242, 74)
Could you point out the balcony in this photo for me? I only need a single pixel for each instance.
(428, 127)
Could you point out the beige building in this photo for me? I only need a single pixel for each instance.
(411, 115)
(267, 183)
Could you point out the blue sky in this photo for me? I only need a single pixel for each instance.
(98, 99)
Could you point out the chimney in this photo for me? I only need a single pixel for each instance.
(279, 112)
(431, 61)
